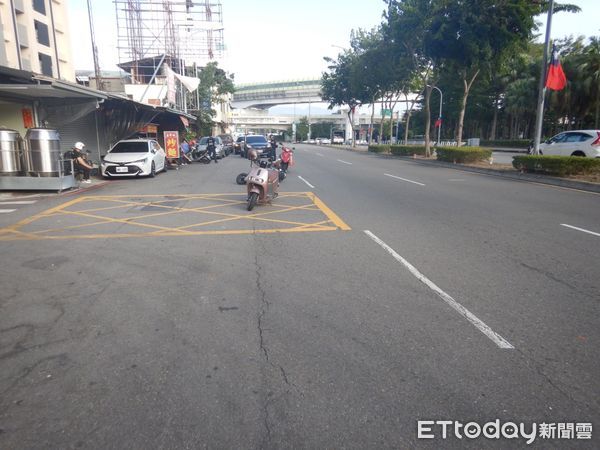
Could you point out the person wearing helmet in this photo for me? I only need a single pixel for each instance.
(272, 148)
(81, 163)
(211, 146)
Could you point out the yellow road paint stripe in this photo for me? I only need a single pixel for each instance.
(108, 208)
(329, 213)
(113, 220)
(35, 217)
(14, 233)
(188, 234)
(257, 218)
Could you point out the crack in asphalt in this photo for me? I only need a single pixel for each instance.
(264, 306)
(62, 359)
(261, 317)
(552, 277)
(539, 369)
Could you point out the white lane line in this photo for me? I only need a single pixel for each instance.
(580, 229)
(310, 185)
(318, 154)
(403, 179)
(481, 326)
(19, 203)
(6, 211)
(345, 162)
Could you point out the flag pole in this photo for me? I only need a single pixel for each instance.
(539, 119)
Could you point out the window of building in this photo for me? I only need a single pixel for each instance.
(45, 64)
(41, 31)
(39, 6)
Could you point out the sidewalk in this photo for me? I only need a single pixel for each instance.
(507, 172)
(24, 194)
(507, 149)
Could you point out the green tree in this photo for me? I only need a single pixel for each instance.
(321, 129)
(589, 69)
(343, 85)
(215, 83)
(407, 24)
(469, 36)
(301, 129)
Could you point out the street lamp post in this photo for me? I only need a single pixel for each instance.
(539, 118)
(440, 114)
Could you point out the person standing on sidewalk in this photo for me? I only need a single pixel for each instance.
(212, 148)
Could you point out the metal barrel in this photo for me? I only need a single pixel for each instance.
(42, 152)
(10, 148)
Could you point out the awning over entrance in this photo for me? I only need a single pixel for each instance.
(40, 87)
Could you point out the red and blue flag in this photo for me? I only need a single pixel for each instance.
(555, 78)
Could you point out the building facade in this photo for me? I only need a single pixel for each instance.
(36, 37)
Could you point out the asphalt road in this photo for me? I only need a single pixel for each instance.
(453, 296)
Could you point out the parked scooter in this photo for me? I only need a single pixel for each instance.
(262, 183)
(200, 155)
(275, 165)
(253, 157)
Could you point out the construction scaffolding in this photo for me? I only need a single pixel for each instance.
(185, 29)
(184, 35)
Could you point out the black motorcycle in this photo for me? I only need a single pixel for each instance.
(199, 155)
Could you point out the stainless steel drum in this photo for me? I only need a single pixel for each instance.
(10, 148)
(42, 152)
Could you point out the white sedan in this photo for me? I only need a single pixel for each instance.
(134, 157)
(573, 143)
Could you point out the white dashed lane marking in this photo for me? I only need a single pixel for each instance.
(309, 185)
(583, 230)
(403, 179)
(472, 318)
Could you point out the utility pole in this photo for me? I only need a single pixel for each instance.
(309, 121)
(539, 118)
(99, 82)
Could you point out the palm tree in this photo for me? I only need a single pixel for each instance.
(589, 70)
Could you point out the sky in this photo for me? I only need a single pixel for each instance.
(265, 40)
(269, 40)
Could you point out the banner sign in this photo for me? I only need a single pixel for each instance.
(27, 118)
(171, 144)
(386, 112)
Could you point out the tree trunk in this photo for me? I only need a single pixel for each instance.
(461, 115)
(352, 125)
(463, 106)
(371, 124)
(382, 123)
(511, 131)
(427, 121)
(596, 122)
(494, 121)
(391, 125)
(408, 114)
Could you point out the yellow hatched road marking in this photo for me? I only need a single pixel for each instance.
(328, 212)
(120, 202)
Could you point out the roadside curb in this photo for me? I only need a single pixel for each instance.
(82, 189)
(526, 177)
